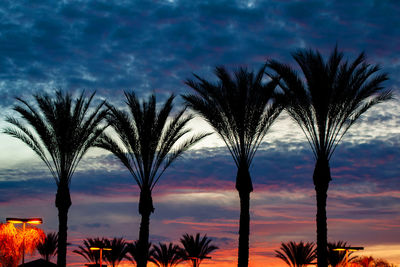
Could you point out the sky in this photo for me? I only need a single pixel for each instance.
(153, 47)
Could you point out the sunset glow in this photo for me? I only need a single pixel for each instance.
(112, 46)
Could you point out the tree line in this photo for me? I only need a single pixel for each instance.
(325, 99)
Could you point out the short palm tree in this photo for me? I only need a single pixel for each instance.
(330, 99)
(48, 248)
(338, 258)
(297, 254)
(132, 251)
(91, 255)
(165, 255)
(196, 249)
(61, 132)
(147, 146)
(241, 110)
(118, 250)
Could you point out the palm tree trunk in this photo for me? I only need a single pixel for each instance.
(63, 203)
(145, 210)
(244, 187)
(322, 177)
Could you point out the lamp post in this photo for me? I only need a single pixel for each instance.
(24, 221)
(347, 249)
(101, 253)
(196, 260)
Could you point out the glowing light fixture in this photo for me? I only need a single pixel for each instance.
(24, 221)
(101, 252)
(347, 249)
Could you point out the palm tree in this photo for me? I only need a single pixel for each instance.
(297, 254)
(241, 110)
(48, 248)
(147, 147)
(132, 251)
(61, 132)
(338, 258)
(196, 249)
(87, 253)
(334, 95)
(165, 255)
(118, 250)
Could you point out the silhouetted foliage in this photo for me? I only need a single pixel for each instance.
(91, 255)
(297, 254)
(118, 251)
(196, 249)
(369, 261)
(48, 248)
(338, 258)
(165, 255)
(325, 104)
(147, 146)
(241, 109)
(132, 251)
(13, 239)
(61, 132)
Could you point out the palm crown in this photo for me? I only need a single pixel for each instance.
(165, 255)
(297, 254)
(240, 110)
(195, 249)
(334, 96)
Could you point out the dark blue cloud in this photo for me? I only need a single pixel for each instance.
(114, 45)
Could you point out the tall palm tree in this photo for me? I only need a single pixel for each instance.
(165, 255)
(196, 249)
(241, 110)
(48, 248)
(87, 253)
(118, 250)
(147, 146)
(330, 99)
(297, 254)
(61, 132)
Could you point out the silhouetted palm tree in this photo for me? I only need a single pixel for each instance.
(61, 132)
(338, 258)
(91, 255)
(297, 254)
(118, 250)
(241, 110)
(48, 248)
(132, 251)
(196, 249)
(325, 105)
(147, 147)
(165, 255)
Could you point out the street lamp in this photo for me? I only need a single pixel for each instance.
(24, 221)
(347, 249)
(196, 260)
(101, 253)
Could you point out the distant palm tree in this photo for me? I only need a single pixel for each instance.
(241, 110)
(338, 258)
(132, 251)
(196, 249)
(61, 132)
(91, 255)
(165, 255)
(297, 254)
(333, 95)
(145, 141)
(118, 250)
(48, 248)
